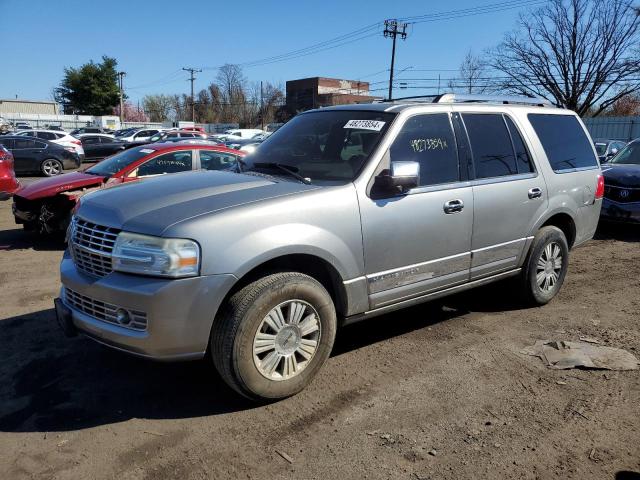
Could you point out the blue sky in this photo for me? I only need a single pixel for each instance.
(152, 40)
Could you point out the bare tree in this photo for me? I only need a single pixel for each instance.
(472, 76)
(157, 107)
(579, 54)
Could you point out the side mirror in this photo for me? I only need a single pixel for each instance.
(402, 175)
(614, 151)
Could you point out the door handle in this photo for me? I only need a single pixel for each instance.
(535, 192)
(453, 206)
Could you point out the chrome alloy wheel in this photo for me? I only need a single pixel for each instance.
(549, 267)
(286, 340)
(51, 167)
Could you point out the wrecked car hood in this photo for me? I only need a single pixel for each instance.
(150, 207)
(48, 187)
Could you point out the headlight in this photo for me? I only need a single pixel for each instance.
(146, 255)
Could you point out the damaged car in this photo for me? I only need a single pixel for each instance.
(46, 206)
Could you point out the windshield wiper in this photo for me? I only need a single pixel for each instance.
(289, 169)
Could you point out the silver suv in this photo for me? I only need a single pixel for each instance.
(343, 214)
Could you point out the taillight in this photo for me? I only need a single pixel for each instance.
(600, 187)
(77, 142)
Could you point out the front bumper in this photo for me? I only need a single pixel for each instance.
(613, 211)
(180, 312)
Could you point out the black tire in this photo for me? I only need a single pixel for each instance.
(532, 292)
(51, 167)
(239, 320)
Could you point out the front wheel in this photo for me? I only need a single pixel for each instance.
(546, 266)
(51, 167)
(273, 336)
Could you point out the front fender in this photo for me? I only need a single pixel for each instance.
(276, 241)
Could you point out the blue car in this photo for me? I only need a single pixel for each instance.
(622, 186)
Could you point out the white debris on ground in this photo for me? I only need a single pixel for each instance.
(561, 354)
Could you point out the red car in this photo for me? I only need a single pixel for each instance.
(8, 181)
(45, 206)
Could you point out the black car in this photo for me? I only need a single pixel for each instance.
(607, 149)
(97, 147)
(621, 174)
(36, 155)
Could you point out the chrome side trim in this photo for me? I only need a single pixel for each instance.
(428, 297)
(494, 253)
(399, 277)
(353, 280)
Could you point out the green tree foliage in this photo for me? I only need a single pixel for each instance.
(91, 89)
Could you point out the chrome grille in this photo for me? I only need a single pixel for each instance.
(91, 246)
(104, 311)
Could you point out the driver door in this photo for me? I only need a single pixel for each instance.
(414, 242)
(173, 162)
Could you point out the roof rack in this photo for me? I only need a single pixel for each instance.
(473, 98)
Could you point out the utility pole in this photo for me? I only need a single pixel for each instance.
(193, 102)
(121, 86)
(394, 29)
(261, 107)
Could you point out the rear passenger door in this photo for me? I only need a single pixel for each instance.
(509, 194)
(27, 154)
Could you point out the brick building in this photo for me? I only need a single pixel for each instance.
(315, 92)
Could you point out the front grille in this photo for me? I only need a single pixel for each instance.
(91, 246)
(622, 194)
(106, 312)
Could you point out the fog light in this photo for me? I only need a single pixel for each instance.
(123, 317)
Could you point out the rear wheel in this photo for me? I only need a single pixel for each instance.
(546, 266)
(273, 336)
(51, 167)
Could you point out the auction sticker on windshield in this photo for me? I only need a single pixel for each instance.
(375, 125)
(147, 150)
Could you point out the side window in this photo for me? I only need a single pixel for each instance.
(37, 144)
(490, 145)
(46, 135)
(212, 160)
(105, 140)
(89, 140)
(522, 155)
(428, 140)
(7, 142)
(173, 162)
(564, 141)
(26, 143)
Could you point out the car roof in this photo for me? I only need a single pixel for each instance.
(21, 137)
(187, 146)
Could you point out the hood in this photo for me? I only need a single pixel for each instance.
(621, 175)
(152, 206)
(60, 183)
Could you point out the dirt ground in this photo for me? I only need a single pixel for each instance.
(438, 391)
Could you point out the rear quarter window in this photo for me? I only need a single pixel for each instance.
(564, 141)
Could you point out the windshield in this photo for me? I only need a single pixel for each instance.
(601, 148)
(629, 154)
(330, 145)
(117, 162)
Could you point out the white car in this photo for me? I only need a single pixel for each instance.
(61, 138)
(140, 135)
(244, 132)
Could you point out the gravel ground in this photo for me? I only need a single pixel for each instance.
(438, 391)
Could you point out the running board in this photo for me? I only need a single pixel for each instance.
(428, 297)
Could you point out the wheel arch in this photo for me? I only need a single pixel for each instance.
(564, 221)
(309, 264)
